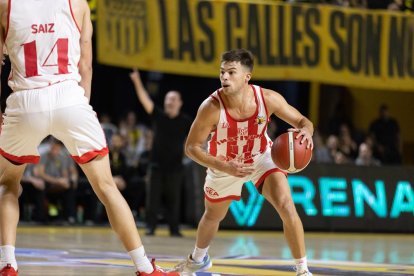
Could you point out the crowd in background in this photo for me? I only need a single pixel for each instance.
(55, 190)
(343, 144)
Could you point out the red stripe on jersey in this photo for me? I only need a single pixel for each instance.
(252, 129)
(212, 144)
(232, 148)
(263, 141)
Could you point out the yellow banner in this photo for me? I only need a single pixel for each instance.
(371, 49)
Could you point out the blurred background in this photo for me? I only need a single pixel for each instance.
(347, 65)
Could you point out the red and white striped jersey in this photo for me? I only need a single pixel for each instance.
(240, 139)
(42, 41)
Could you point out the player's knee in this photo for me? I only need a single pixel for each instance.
(285, 207)
(213, 216)
(10, 186)
(105, 188)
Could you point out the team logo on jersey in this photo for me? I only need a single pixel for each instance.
(242, 131)
(211, 192)
(260, 119)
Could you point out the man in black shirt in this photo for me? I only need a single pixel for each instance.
(386, 132)
(170, 128)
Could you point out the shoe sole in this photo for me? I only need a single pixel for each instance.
(193, 273)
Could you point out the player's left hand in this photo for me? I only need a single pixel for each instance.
(305, 135)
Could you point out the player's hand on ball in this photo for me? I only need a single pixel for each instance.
(305, 135)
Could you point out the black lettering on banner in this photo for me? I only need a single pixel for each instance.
(185, 32)
(410, 49)
(253, 33)
(271, 59)
(118, 34)
(207, 50)
(281, 18)
(336, 56)
(373, 43)
(312, 18)
(127, 49)
(108, 28)
(167, 52)
(233, 20)
(354, 39)
(396, 47)
(296, 35)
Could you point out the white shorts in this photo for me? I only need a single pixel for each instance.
(221, 186)
(60, 110)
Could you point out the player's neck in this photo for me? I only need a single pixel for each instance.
(238, 98)
(241, 104)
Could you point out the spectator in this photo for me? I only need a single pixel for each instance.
(108, 127)
(170, 128)
(134, 135)
(347, 145)
(132, 187)
(321, 152)
(33, 193)
(58, 171)
(365, 157)
(386, 132)
(332, 145)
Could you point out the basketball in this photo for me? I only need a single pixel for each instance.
(289, 154)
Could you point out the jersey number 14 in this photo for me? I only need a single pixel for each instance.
(30, 57)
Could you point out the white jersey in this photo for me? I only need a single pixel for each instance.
(241, 139)
(42, 41)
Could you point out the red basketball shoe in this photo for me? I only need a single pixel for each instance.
(8, 270)
(157, 271)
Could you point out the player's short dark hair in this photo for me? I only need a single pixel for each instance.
(245, 57)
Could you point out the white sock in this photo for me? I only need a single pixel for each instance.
(140, 260)
(199, 253)
(7, 256)
(301, 264)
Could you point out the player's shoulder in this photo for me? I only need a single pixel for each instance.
(209, 106)
(269, 93)
(79, 6)
(81, 3)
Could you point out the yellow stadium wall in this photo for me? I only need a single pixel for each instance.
(401, 106)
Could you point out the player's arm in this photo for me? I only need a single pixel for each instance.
(142, 93)
(277, 105)
(85, 62)
(206, 120)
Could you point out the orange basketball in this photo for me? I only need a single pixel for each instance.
(289, 154)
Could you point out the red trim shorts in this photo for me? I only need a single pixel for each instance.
(221, 186)
(61, 110)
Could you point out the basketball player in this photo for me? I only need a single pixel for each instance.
(236, 117)
(49, 45)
